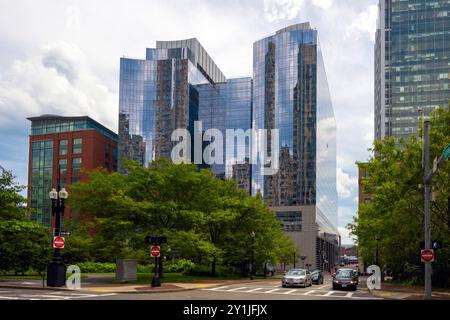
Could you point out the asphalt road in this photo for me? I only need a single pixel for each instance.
(267, 290)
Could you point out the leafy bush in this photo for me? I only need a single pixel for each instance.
(205, 270)
(31, 252)
(145, 268)
(97, 267)
(182, 265)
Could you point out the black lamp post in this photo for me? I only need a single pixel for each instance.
(56, 272)
(252, 270)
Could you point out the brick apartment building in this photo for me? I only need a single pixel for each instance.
(59, 148)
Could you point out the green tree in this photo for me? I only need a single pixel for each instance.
(11, 202)
(395, 214)
(23, 244)
(206, 219)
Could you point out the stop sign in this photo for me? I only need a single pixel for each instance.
(155, 251)
(427, 255)
(58, 242)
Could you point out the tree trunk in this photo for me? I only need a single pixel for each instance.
(213, 267)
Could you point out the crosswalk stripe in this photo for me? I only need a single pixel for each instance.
(309, 292)
(218, 288)
(9, 298)
(253, 290)
(329, 293)
(349, 295)
(273, 290)
(290, 291)
(237, 289)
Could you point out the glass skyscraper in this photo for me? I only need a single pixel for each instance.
(412, 64)
(158, 95)
(291, 94)
(178, 83)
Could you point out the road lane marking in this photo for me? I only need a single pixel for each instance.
(253, 290)
(218, 288)
(273, 290)
(329, 293)
(237, 289)
(9, 298)
(349, 295)
(290, 291)
(309, 292)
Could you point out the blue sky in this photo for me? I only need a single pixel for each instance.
(63, 57)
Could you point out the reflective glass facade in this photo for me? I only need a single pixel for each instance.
(158, 95)
(178, 83)
(229, 106)
(291, 94)
(412, 63)
(41, 180)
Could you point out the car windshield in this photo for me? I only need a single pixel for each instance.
(344, 273)
(296, 273)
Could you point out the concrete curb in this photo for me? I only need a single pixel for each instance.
(386, 294)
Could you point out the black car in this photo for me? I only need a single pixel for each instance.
(345, 279)
(317, 277)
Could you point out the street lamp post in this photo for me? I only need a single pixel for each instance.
(56, 272)
(252, 270)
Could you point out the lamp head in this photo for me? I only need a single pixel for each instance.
(63, 194)
(53, 194)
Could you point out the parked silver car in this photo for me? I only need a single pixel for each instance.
(297, 277)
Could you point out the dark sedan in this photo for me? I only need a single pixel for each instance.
(345, 279)
(317, 277)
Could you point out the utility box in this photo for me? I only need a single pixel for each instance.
(126, 270)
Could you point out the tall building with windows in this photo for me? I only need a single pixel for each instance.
(228, 106)
(290, 93)
(59, 148)
(158, 94)
(412, 64)
(178, 83)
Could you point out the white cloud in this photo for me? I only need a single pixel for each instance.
(365, 23)
(324, 4)
(345, 184)
(345, 236)
(276, 10)
(58, 80)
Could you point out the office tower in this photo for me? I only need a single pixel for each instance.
(158, 95)
(59, 148)
(228, 106)
(290, 93)
(177, 84)
(412, 64)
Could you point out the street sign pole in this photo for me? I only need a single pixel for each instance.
(427, 201)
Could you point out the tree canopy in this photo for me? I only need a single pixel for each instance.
(206, 219)
(24, 244)
(395, 214)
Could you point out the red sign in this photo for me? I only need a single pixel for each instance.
(155, 251)
(58, 242)
(427, 255)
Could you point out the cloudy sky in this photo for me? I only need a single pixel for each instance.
(62, 57)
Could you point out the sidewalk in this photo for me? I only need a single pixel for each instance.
(96, 285)
(402, 292)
